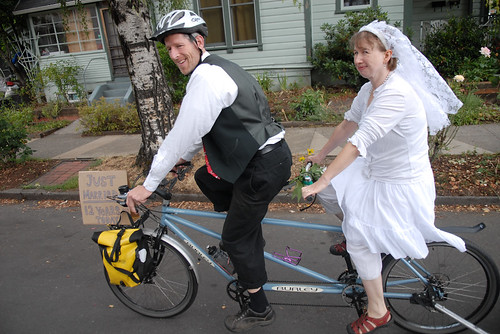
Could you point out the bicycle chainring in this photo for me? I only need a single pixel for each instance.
(348, 277)
(237, 293)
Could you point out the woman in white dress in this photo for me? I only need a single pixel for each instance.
(382, 176)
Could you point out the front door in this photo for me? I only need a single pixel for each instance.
(114, 47)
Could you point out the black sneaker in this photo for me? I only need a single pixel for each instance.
(247, 319)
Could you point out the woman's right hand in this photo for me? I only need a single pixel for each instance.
(314, 188)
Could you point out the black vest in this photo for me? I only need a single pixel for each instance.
(240, 128)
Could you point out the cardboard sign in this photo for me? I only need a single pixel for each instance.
(94, 188)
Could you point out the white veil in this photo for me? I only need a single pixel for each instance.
(437, 97)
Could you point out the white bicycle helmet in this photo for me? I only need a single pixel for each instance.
(180, 21)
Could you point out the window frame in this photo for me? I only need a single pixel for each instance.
(341, 9)
(228, 25)
(75, 32)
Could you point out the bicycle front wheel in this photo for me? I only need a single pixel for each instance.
(170, 290)
(467, 284)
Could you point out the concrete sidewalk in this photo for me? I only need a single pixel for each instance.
(69, 145)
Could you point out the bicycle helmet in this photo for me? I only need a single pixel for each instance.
(179, 21)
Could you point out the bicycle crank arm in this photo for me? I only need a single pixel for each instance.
(458, 318)
(460, 229)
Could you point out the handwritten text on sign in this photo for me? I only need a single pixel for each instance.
(95, 187)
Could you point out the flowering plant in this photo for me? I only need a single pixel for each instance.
(306, 176)
(485, 52)
(484, 68)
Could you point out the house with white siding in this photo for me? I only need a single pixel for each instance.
(271, 37)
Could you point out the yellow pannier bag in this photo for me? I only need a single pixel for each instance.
(125, 255)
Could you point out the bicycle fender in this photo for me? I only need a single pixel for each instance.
(180, 248)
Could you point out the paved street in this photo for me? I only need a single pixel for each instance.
(52, 279)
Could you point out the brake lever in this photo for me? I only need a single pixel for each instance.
(186, 166)
(120, 199)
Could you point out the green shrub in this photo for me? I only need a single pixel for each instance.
(175, 79)
(474, 111)
(310, 106)
(335, 57)
(64, 75)
(103, 116)
(480, 69)
(52, 109)
(264, 81)
(13, 134)
(282, 81)
(448, 46)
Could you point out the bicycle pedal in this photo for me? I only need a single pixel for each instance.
(339, 249)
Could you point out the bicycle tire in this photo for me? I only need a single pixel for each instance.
(169, 291)
(470, 283)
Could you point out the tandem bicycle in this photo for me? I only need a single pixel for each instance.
(446, 292)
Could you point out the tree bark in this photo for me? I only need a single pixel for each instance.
(153, 100)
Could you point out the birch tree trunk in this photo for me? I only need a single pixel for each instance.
(153, 100)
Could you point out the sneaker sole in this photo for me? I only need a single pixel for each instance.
(263, 323)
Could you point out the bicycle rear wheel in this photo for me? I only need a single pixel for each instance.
(467, 282)
(170, 290)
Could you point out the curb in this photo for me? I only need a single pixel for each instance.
(40, 194)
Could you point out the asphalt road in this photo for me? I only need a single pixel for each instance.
(52, 280)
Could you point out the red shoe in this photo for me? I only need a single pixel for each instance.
(339, 249)
(366, 324)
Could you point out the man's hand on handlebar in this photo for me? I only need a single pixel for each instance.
(137, 196)
(140, 194)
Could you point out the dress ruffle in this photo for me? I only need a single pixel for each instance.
(391, 218)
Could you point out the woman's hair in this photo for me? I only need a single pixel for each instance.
(374, 41)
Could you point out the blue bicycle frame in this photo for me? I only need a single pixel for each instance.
(170, 218)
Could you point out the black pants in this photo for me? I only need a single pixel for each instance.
(247, 202)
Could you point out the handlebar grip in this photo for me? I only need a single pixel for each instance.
(124, 189)
(308, 165)
(163, 194)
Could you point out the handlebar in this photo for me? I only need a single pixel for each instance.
(164, 190)
(308, 165)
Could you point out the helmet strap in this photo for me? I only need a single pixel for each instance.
(192, 37)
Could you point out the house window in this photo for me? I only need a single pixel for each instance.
(350, 5)
(77, 31)
(231, 23)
